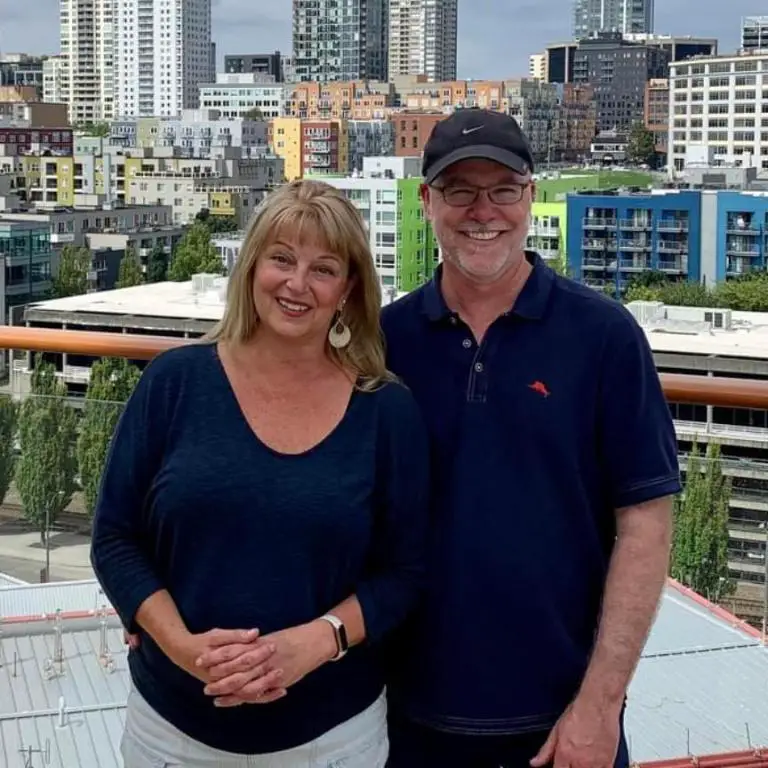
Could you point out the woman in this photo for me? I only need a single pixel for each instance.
(263, 510)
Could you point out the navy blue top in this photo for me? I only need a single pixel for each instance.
(242, 536)
(538, 435)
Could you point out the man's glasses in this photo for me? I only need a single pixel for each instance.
(460, 196)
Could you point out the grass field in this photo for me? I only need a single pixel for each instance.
(552, 190)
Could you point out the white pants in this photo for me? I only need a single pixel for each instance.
(150, 741)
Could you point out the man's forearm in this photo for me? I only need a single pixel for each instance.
(636, 577)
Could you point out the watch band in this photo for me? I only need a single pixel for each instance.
(339, 630)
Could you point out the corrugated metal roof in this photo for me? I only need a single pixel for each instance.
(701, 687)
(37, 599)
(91, 698)
(9, 581)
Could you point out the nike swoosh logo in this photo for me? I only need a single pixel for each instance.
(472, 130)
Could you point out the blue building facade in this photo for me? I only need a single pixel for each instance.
(742, 233)
(26, 254)
(612, 238)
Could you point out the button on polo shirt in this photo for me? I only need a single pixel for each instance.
(539, 434)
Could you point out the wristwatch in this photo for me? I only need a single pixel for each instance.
(342, 646)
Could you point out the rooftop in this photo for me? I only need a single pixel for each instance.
(701, 687)
(690, 330)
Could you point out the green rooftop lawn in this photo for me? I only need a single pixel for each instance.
(552, 190)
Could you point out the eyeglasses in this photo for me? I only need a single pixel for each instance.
(462, 196)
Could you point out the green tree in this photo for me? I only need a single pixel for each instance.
(642, 145)
(111, 383)
(72, 277)
(157, 265)
(254, 114)
(130, 270)
(194, 254)
(747, 293)
(217, 224)
(45, 471)
(9, 414)
(700, 538)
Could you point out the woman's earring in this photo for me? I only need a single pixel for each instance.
(339, 335)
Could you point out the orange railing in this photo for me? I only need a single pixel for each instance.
(680, 388)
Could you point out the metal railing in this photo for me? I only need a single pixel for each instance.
(679, 388)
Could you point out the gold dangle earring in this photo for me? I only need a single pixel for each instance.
(339, 335)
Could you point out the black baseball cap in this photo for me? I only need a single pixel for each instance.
(476, 133)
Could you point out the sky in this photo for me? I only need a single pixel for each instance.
(495, 36)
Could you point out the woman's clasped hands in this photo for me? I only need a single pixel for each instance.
(261, 669)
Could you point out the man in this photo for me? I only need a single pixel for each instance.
(555, 462)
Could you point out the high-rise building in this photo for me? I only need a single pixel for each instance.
(162, 55)
(625, 16)
(754, 33)
(423, 38)
(87, 58)
(340, 41)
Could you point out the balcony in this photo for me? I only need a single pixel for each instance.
(598, 223)
(631, 225)
(672, 226)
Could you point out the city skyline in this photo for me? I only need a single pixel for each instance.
(486, 31)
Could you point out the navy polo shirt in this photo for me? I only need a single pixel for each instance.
(538, 435)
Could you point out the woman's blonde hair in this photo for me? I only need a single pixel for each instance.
(312, 211)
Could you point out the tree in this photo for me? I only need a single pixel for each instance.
(111, 383)
(130, 270)
(45, 472)
(9, 414)
(254, 114)
(217, 224)
(72, 277)
(642, 145)
(195, 254)
(157, 265)
(700, 537)
(746, 293)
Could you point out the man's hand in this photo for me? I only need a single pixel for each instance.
(586, 736)
(298, 651)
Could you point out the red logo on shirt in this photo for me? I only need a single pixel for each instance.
(540, 387)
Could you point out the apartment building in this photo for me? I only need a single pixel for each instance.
(88, 60)
(162, 56)
(54, 69)
(240, 94)
(412, 130)
(346, 100)
(615, 237)
(74, 225)
(311, 146)
(754, 33)
(269, 65)
(719, 106)
(340, 41)
(720, 342)
(656, 112)
(369, 138)
(702, 235)
(548, 231)
(21, 69)
(200, 133)
(537, 67)
(618, 71)
(445, 96)
(423, 38)
(25, 276)
(625, 16)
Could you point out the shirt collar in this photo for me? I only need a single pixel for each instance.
(531, 304)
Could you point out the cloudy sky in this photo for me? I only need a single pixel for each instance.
(495, 36)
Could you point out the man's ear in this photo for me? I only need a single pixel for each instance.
(425, 193)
